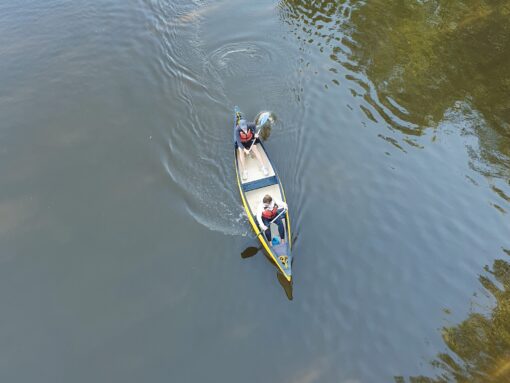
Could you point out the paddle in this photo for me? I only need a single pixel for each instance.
(274, 219)
(250, 252)
(264, 117)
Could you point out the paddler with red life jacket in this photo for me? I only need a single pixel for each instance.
(268, 210)
(245, 136)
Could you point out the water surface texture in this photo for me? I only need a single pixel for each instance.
(125, 255)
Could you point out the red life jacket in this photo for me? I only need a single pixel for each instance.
(245, 137)
(270, 214)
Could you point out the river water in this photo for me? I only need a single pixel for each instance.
(121, 227)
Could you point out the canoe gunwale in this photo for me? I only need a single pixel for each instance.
(251, 215)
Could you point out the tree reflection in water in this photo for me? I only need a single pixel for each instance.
(480, 345)
(414, 63)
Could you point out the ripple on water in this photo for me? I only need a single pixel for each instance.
(241, 62)
(329, 27)
(205, 183)
(193, 138)
(235, 58)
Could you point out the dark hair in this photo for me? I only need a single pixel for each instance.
(267, 199)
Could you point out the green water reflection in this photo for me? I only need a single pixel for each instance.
(479, 346)
(414, 62)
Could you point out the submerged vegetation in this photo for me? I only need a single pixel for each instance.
(479, 346)
(419, 62)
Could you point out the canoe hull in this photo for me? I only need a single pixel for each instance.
(252, 191)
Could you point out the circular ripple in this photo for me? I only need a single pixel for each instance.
(239, 57)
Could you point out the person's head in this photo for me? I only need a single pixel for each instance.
(267, 199)
(242, 124)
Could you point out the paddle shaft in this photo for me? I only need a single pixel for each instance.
(254, 139)
(263, 119)
(274, 219)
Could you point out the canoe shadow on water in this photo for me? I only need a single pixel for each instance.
(284, 283)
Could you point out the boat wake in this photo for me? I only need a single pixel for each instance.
(205, 187)
(202, 72)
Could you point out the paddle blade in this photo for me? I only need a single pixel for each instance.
(262, 118)
(264, 122)
(249, 252)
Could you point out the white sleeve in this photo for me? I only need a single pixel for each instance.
(259, 215)
(281, 204)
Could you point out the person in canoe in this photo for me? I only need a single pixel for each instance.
(268, 210)
(245, 136)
